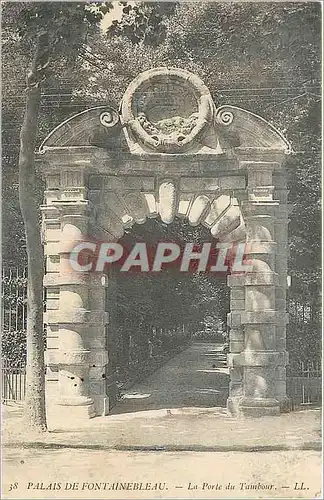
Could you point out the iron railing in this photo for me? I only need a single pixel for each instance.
(14, 299)
(13, 382)
(304, 383)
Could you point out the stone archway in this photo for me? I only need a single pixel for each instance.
(168, 153)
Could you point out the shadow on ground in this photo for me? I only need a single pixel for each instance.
(197, 377)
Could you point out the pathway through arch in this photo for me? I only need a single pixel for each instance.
(197, 377)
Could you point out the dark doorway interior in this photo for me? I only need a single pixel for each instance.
(167, 329)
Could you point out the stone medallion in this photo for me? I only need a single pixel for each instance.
(167, 109)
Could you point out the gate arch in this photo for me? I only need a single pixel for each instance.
(168, 152)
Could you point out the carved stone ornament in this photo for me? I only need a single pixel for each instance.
(170, 111)
(167, 109)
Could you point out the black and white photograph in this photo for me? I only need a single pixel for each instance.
(161, 250)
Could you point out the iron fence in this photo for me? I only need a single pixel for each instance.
(13, 381)
(304, 384)
(14, 299)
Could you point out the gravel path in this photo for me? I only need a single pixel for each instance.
(197, 377)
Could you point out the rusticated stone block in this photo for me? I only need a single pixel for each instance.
(53, 232)
(237, 335)
(98, 358)
(258, 358)
(218, 206)
(236, 281)
(236, 390)
(260, 337)
(73, 298)
(236, 375)
(96, 338)
(200, 184)
(73, 358)
(77, 316)
(69, 279)
(73, 337)
(236, 346)
(259, 298)
(234, 319)
(237, 304)
(232, 182)
(238, 293)
(97, 372)
(198, 210)
(261, 278)
(97, 387)
(280, 304)
(52, 343)
(260, 317)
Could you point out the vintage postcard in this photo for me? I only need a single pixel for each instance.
(161, 250)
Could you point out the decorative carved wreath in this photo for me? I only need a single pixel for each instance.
(176, 134)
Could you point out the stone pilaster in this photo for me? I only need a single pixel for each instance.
(51, 230)
(281, 235)
(237, 307)
(79, 356)
(111, 338)
(260, 318)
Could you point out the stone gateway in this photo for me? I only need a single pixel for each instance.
(168, 152)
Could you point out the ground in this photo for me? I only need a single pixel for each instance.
(198, 376)
(169, 432)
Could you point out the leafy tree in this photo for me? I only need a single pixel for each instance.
(143, 23)
(44, 30)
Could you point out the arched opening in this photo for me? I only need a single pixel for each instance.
(167, 331)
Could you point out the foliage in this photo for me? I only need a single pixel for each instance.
(170, 299)
(28, 19)
(143, 23)
(264, 57)
(14, 346)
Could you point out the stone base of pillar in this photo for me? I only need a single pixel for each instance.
(233, 407)
(259, 407)
(240, 407)
(285, 404)
(101, 405)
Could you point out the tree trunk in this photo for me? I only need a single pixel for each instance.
(35, 413)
